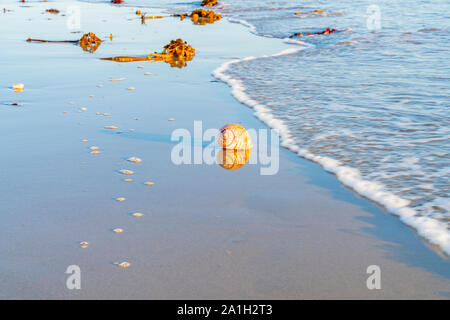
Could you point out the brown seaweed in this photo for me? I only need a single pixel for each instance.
(89, 42)
(208, 3)
(200, 16)
(176, 53)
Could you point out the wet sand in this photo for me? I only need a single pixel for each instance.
(206, 233)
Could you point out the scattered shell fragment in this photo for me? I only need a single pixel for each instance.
(120, 199)
(84, 244)
(148, 183)
(83, 109)
(147, 74)
(137, 215)
(117, 230)
(126, 172)
(118, 79)
(93, 148)
(131, 130)
(171, 119)
(111, 127)
(107, 114)
(135, 160)
(18, 86)
(128, 180)
(124, 264)
(91, 96)
(95, 152)
(131, 88)
(140, 67)
(84, 140)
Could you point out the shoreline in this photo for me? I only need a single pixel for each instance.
(288, 236)
(431, 230)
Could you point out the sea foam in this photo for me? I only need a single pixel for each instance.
(431, 229)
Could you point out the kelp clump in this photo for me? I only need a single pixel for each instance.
(89, 42)
(201, 16)
(176, 53)
(209, 3)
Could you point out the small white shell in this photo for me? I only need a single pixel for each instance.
(93, 148)
(84, 244)
(117, 230)
(84, 140)
(126, 172)
(110, 127)
(120, 199)
(148, 183)
(124, 264)
(135, 160)
(137, 215)
(18, 86)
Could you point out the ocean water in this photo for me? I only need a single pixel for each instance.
(369, 103)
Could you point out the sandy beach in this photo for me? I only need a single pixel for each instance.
(206, 232)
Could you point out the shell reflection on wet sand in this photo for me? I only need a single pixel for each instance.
(233, 159)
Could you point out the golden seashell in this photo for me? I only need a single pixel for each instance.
(110, 127)
(234, 136)
(93, 148)
(120, 199)
(233, 159)
(148, 183)
(95, 152)
(117, 230)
